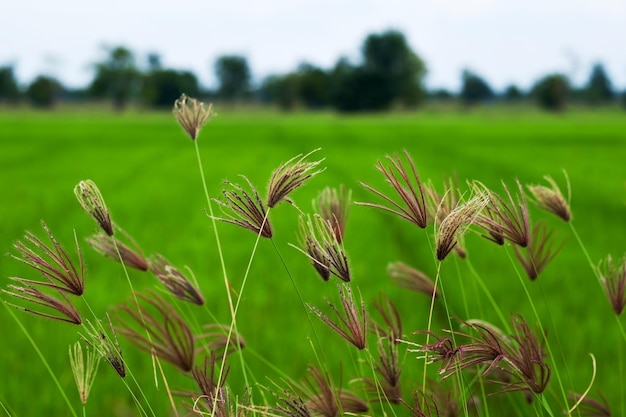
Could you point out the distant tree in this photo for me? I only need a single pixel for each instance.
(397, 71)
(441, 94)
(233, 75)
(474, 89)
(44, 91)
(356, 89)
(117, 77)
(623, 97)
(154, 62)
(598, 89)
(281, 89)
(512, 93)
(9, 91)
(551, 92)
(160, 88)
(314, 86)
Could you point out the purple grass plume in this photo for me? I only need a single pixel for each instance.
(613, 279)
(174, 280)
(106, 344)
(92, 202)
(551, 198)
(192, 115)
(132, 257)
(412, 279)
(541, 250)
(333, 205)
(289, 176)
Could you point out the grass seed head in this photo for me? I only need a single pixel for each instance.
(289, 176)
(412, 279)
(333, 205)
(541, 250)
(174, 280)
(192, 115)
(613, 279)
(107, 247)
(84, 369)
(91, 200)
(551, 198)
(107, 346)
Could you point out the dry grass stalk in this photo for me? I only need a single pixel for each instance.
(107, 247)
(613, 278)
(63, 306)
(107, 346)
(92, 202)
(217, 339)
(412, 279)
(174, 280)
(319, 243)
(506, 218)
(170, 337)
(52, 261)
(244, 209)
(408, 186)
(84, 369)
(333, 206)
(192, 115)
(392, 328)
(289, 176)
(551, 198)
(456, 223)
(352, 325)
(541, 250)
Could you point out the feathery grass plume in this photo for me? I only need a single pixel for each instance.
(551, 198)
(439, 206)
(108, 347)
(436, 402)
(505, 218)
(174, 280)
(107, 247)
(52, 261)
(412, 279)
(67, 312)
(217, 339)
(192, 114)
(613, 279)
(441, 350)
(456, 223)
(408, 186)
(319, 243)
(170, 339)
(244, 209)
(352, 325)
(322, 399)
(84, 369)
(541, 250)
(385, 389)
(392, 328)
(91, 200)
(591, 407)
(334, 206)
(291, 405)
(289, 176)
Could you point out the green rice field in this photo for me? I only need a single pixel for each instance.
(147, 171)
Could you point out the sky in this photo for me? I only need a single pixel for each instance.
(505, 41)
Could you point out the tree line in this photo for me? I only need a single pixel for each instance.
(389, 75)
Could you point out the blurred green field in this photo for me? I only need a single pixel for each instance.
(146, 169)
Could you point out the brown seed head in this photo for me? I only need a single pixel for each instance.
(218, 340)
(551, 199)
(613, 278)
(412, 279)
(334, 205)
(107, 247)
(106, 345)
(591, 407)
(174, 280)
(29, 293)
(192, 114)
(541, 250)
(289, 176)
(392, 328)
(385, 389)
(91, 200)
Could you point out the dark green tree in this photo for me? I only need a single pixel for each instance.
(474, 89)
(598, 89)
(117, 77)
(44, 92)
(314, 86)
(512, 93)
(233, 75)
(9, 91)
(282, 90)
(551, 92)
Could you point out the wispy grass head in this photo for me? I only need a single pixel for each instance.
(541, 250)
(170, 338)
(613, 278)
(106, 345)
(244, 208)
(84, 369)
(590, 407)
(216, 339)
(439, 206)
(408, 186)
(333, 205)
(289, 176)
(386, 388)
(412, 279)
(132, 257)
(322, 399)
(551, 198)
(352, 324)
(192, 114)
(174, 280)
(91, 200)
(392, 328)
(62, 308)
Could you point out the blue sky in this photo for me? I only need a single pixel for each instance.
(506, 41)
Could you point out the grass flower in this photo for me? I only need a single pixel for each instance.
(506, 218)
(540, 251)
(244, 209)
(333, 206)
(591, 407)
(455, 224)
(319, 243)
(84, 368)
(52, 261)
(217, 339)
(66, 311)
(435, 402)
(386, 389)
(107, 247)
(551, 198)
(392, 328)
(175, 282)
(192, 115)
(408, 186)
(352, 325)
(412, 279)
(107, 346)
(91, 200)
(613, 279)
(439, 206)
(289, 176)
(170, 338)
(322, 399)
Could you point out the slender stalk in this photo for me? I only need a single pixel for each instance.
(167, 387)
(430, 320)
